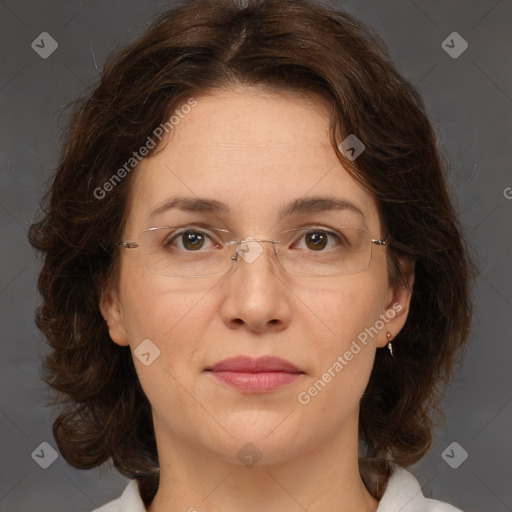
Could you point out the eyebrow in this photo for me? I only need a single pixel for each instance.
(299, 206)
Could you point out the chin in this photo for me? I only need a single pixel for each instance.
(268, 440)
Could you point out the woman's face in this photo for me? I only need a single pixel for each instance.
(256, 153)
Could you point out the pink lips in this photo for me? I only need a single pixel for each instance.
(255, 375)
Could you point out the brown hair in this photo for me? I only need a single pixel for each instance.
(290, 46)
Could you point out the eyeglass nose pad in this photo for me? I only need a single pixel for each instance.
(249, 250)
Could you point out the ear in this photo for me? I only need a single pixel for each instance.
(111, 311)
(397, 307)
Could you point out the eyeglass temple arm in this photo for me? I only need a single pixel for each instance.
(128, 245)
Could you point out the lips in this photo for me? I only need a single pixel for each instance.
(251, 375)
(250, 365)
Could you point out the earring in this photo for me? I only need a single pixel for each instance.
(389, 336)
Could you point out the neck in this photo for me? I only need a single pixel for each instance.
(325, 477)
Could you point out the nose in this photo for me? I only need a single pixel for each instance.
(257, 295)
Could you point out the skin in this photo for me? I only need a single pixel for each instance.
(255, 151)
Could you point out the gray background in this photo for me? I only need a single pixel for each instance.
(469, 100)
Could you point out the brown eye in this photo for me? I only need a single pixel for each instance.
(189, 240)
(316, 240)
(193, 240)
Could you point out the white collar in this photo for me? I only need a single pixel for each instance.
(403, 493)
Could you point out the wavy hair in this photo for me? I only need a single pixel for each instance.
(285, 46)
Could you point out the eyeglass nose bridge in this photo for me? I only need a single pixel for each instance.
(247, 254)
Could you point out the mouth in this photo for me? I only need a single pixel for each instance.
(250, 375)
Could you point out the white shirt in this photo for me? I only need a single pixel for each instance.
(403, 493)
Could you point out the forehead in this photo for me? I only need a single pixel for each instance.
(257, 152)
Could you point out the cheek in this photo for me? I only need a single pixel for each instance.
(173, 318)
(152, 304)
(342, 336)
(341, 309)
(169, 312)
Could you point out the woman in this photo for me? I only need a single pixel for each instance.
(254, 281)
